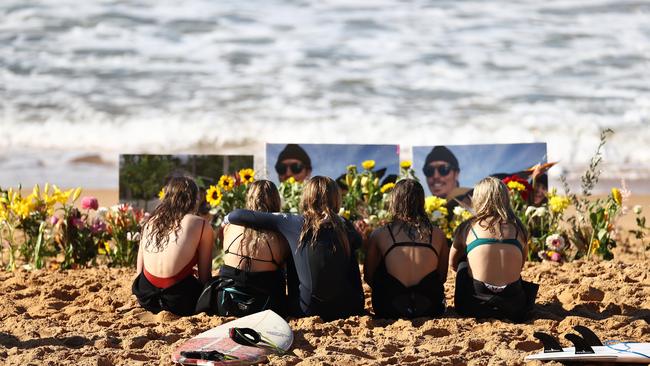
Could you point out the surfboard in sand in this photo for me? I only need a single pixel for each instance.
(219, 346)
(589, 348)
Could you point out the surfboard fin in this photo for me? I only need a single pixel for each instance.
(550, 343)
(588, 335)
(579, 343)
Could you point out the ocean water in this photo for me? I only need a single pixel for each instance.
(82, 81)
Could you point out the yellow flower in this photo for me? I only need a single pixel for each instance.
(227, 182)
(77, 193)
(247, 175)
(387, 187)
(405, 164)
(213, 196)
(616, 195)
(516, 186)
(36, 191)
(368, 164)
(433, 203)
(291, 180)
(104, 248)
(346, 214)
(558, 204)
(595, 244)
(161, 194)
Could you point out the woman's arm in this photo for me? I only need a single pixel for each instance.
(205, 252)
(257, 220)
(440, 241)
(373, 257)
(457, 251)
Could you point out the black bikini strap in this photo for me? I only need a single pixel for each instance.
(390, 231)
(270, 251)
(411, 244)
(231, 243)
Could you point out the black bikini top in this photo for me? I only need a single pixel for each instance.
(407, 243)
(247, 258)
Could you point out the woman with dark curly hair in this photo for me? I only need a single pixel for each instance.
(174, 240)
(406, 263)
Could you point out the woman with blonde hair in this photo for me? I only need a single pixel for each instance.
(325, 278)
(488, 253)
(406, 263)
(174, 240)
(252, 276)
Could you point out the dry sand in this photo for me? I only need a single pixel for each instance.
(89, 317)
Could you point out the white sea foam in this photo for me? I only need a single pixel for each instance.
(152, 76)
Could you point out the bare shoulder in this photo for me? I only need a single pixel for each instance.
(192, 221)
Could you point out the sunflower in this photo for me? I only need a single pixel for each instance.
(617, 196)
(213, 196)
(226, 182)
(368, 164)
(406, 164)
(247, 175)
(161, 194)
(387, 187)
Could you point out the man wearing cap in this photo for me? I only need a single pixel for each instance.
(442, 170)
(293, 161)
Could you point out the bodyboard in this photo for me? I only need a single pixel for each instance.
(267, 323)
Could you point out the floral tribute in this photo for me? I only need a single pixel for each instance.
(51, 227)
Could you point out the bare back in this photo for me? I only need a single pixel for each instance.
(266, 256)
(411, 263)
(194, 240)
(496, 263)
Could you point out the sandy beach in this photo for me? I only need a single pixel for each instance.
(89, 317)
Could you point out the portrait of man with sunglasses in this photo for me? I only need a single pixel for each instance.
(441, 170)
(293, 161)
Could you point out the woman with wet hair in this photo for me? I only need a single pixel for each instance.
(174, 240)
(488, 253)
(406, 263)
(252, 277)
(324, 279)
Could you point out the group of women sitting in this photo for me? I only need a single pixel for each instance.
(305, 264)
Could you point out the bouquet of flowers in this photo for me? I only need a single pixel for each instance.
(229, 193)
(290, 193)
(123, 225)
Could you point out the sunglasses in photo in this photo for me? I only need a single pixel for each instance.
(443, 170)
(296, 168)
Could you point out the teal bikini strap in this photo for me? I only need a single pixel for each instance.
(473, 232)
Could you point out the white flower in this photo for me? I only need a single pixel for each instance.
(341, 211)
(530, 210)
(436, 215)
(540, 211)
(637, 209)
(555, 242)
(115, 208)
(101, 212)
(459, 210)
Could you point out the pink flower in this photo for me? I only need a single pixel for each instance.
(89, 203)
(556, 257)
(79, 223)
(98, 226)
(54, 220)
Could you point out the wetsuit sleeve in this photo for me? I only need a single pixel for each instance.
(256, 220)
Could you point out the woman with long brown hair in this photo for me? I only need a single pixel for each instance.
(406, 263)
(488, 254)
(174, 240)
(325, 278)
(252, 276)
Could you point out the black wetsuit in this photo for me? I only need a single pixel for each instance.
(391, 299)
(243, 292)
(328, 281)
(480, 300)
